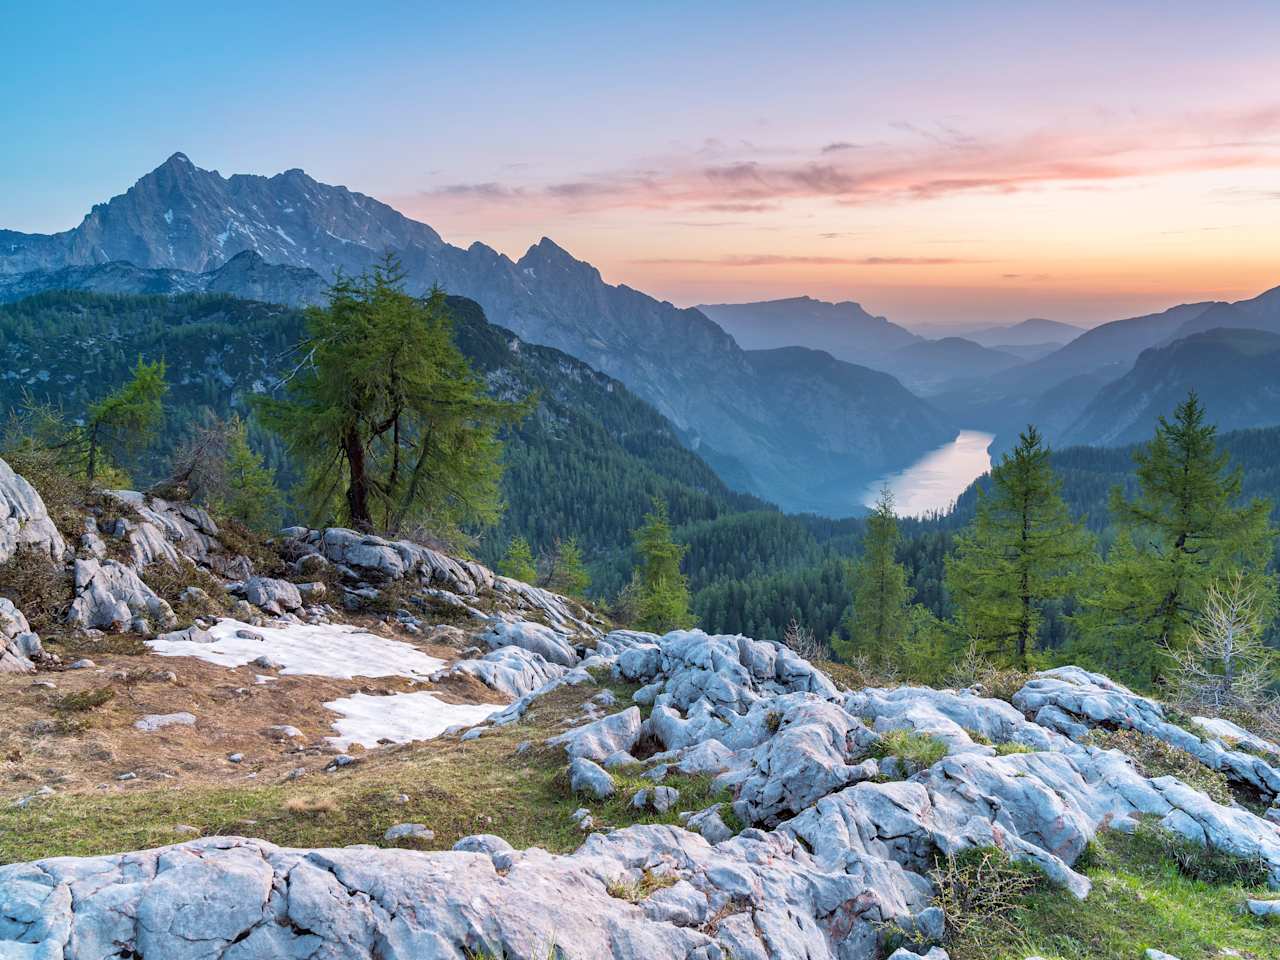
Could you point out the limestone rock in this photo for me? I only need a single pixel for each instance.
(157, 721)
(109, 595)
(590, 778)
(24, 521)
(512, 671)
(274, 596)
(602, 738)
(534, 637)
(19, 646)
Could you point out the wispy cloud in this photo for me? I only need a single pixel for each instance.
(923, 163)
(778, 260)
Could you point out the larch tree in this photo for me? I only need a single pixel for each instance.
(127, 418)
(385, 415)
(1185, 528)
(879, 621)
(1021, 551)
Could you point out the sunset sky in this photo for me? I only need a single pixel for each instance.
(938, 162)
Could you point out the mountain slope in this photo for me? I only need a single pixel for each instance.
(845, 329)
(245, 275)
(180, 217)
(1235, 372)
(585, 464)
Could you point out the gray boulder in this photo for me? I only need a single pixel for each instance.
(602, 738)
(590, 779)
(19, 645)
(513, 671)
(534, 637)
(276, 597)
(24, 521)
(109, 595)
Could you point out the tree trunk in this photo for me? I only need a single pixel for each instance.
(358, 483)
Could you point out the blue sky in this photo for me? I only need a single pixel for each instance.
(934, 160)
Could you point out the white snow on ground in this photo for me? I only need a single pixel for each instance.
(400, 718)
(322, 650)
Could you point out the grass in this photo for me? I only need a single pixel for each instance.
(633, 891)
(455, 788)
(1011, 747)
(1141, 898)
(920, 750)
(1155, 758)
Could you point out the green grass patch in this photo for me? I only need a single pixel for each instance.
(1011, 747)
(1141, 898)
(921, 750)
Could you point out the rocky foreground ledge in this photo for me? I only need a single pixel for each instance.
(837, 844)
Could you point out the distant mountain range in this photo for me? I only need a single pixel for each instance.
(1034, 332)
(845, 330)
(1235, 372)
(756, 419)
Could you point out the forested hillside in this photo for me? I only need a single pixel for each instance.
(585, 464)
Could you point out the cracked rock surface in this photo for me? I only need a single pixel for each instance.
(830, 850)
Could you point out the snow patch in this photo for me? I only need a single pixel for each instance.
(321, 650)
(400, 718)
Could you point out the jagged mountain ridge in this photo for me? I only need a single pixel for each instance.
(180, 217)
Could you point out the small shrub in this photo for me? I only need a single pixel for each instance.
(1207, 864)
(635, 891)
(921, 750)
(980, 889)
(978, 737)
(38, 587)
(772, 721)
(1155, 758)
(84, 700)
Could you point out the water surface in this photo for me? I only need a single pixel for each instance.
(935, 480)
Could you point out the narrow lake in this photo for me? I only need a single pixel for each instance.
(935, 480)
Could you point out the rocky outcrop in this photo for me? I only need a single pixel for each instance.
(110, 596)
(164, 531)
(24, 521)
(19, 645)
(1074, 701)
(512, 671)
(828, 845)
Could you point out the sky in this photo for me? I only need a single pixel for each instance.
(940, 163)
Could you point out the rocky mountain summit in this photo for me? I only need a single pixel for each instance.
(823, 845)
(183, 228)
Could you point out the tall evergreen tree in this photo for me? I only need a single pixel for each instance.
(1022, 550)
(568, 575)
(879, 621)
(126, 418)
(384, 413)
(1185, 529)
(661, 593)
(518, 562)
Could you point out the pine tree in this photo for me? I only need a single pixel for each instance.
(878, 623)
(127, 417)
(1022, 550)
(385, 415)
(249, 492)
(1184, 529)
(518, 562)
(568, 575)
(660, 593)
